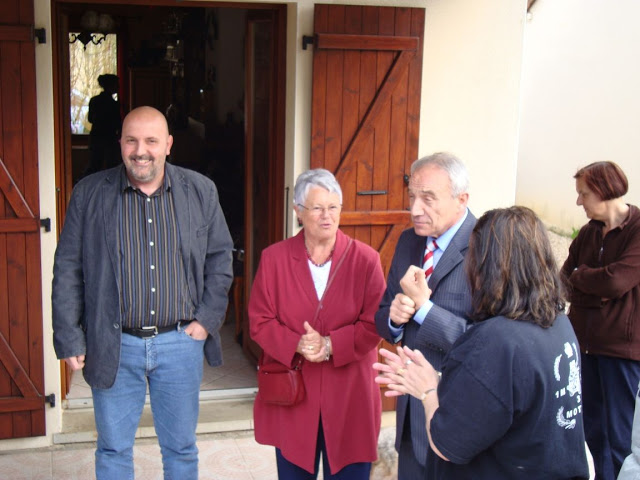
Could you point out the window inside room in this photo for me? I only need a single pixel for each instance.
(86, 64)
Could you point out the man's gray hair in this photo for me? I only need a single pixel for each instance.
(318, 177)
(452, 165)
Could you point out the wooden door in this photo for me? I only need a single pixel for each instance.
(149, 86)
(264, 141)
(21, 357)
(367, 73)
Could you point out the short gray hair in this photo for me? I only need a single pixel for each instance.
(318, 177)
(452, 165)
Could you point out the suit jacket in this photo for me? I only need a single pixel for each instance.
(87, 314)
(342, 390)
(444, 323)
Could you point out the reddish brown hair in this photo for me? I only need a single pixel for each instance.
(605, 179)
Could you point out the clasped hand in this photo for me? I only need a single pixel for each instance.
(415, 292)
(408, 372)
(312, 345)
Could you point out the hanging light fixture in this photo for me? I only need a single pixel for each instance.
(95, 28)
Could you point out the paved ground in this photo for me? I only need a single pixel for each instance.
(222, 457)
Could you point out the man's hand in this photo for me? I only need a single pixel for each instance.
(75, 363)
(402, 309)
(414, 285)
(196, 331)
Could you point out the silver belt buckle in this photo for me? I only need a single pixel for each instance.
(151, 328)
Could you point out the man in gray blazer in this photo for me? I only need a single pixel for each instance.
(428, 298)
(140, 284)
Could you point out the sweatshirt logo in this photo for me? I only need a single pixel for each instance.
(567, 366)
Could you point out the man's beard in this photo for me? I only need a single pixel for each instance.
(137, 172)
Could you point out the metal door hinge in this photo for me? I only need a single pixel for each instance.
(51, 399)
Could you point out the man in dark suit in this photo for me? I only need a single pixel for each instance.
(428, 298)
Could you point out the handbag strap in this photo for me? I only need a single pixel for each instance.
(330, 280)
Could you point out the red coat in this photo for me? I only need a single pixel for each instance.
(342, 390)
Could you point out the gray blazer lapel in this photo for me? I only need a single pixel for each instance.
(111, 203)
(417, 250)
(180, 192)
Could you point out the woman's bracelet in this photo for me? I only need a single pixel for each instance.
(327, 346)
(424, 394)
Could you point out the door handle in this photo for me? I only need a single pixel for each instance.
(372, 192)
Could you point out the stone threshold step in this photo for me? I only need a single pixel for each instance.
(216, 415)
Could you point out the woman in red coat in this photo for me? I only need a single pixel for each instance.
(314, 298)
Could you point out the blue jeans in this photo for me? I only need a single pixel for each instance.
(609, 388)
(171, 363)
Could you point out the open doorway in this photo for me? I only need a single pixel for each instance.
(218, 75)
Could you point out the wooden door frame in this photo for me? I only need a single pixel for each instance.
(62, 129)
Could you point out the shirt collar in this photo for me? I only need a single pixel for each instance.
(444, 240)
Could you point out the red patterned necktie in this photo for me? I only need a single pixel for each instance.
(427, 263)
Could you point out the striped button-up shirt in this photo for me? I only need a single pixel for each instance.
(154, 287)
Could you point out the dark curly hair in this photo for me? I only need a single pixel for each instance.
(511, 268)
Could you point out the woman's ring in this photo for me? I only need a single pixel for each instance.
(408, 362)
(401, 371)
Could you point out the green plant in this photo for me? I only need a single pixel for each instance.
(574, 232)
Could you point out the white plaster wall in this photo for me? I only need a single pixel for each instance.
(471, 82)
(472, 63)
(579, 101)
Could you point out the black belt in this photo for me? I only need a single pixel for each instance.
(153, 330)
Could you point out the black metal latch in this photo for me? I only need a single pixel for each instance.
(39, 34)
(306, 41)
(46, 224)
(51, 399)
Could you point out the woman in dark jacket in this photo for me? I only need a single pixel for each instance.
(603, 275)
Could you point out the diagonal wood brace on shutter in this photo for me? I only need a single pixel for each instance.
(382, 96)
(26, 221)
(31, 399)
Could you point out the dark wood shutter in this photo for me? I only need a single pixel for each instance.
(367, 73)
(365, 116)
(21, 357)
